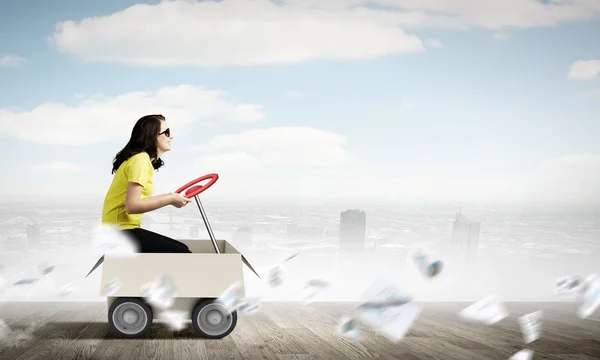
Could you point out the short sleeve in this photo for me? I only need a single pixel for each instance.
(139, 170)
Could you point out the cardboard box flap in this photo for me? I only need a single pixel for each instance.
(98, 263)
(250, 266)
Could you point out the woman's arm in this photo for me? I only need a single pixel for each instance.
(134, 205)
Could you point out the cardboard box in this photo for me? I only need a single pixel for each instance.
(202, 274)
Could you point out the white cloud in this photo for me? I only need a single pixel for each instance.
(584, 70)
(245, 176)
(100, 118)
(12, 61)
(490, 14)
(237, 161)
(569, 179)
(59, 166)
(433, 43)
(275, 147)
(250, 32)
(233, 32)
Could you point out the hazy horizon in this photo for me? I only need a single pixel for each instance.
(521, 253)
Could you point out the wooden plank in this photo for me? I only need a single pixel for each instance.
(68, 331)
(60, 334)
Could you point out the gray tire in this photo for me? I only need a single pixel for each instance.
(130, 317)
(212, 319)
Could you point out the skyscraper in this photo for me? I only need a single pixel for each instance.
(34, 238)
(465, 240)
(353, 231)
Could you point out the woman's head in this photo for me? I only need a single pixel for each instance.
(151, 134)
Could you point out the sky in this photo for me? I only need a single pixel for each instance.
(402, 100)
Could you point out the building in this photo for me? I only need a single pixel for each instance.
(353, 232)
(34, 236)
(465, 240)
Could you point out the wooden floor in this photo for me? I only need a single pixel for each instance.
(292, 331)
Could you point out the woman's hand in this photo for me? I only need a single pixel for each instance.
(179, 200)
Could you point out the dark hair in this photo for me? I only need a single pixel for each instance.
(143, 138)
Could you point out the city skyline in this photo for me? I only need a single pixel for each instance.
(464, 242)
(530, 249)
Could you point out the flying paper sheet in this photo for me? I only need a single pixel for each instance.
(348, 327)
(232, 296)
(109, 240)
(160, 293)
(388, 309)
(4, 329)
(249, 306)
(531, 325)
(67, 289)
(487, 311)
(568, 285)
(276, 276)
(590, 299)
(111, 287)
(313, 288)
(524, 354)
(384, 292)
(393, 322)
(427, 265)
(175, 319)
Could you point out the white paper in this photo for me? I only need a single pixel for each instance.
(249, 306)
(348, 327)
(112, 286)
(568, 285)
(393, 322)
(427, 265)
(67, 289)
(487, 311)
(531, 325)
(276, 276)
(4, 329)
(524, 354)
(175, 319)
(232, 296)
(385, 292)
(110, 240)
(160, 293)
(46, 268)
(590, 299)
(313, 288)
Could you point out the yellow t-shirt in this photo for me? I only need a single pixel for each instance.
(138, 169)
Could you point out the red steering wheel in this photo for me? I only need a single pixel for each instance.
(195, 190)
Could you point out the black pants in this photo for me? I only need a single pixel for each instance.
(151, 242)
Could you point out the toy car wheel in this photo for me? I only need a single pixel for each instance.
(213, 320)
(130, 317)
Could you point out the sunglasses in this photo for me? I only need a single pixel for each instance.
(166, 132)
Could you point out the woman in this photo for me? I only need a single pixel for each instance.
(130, 193)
